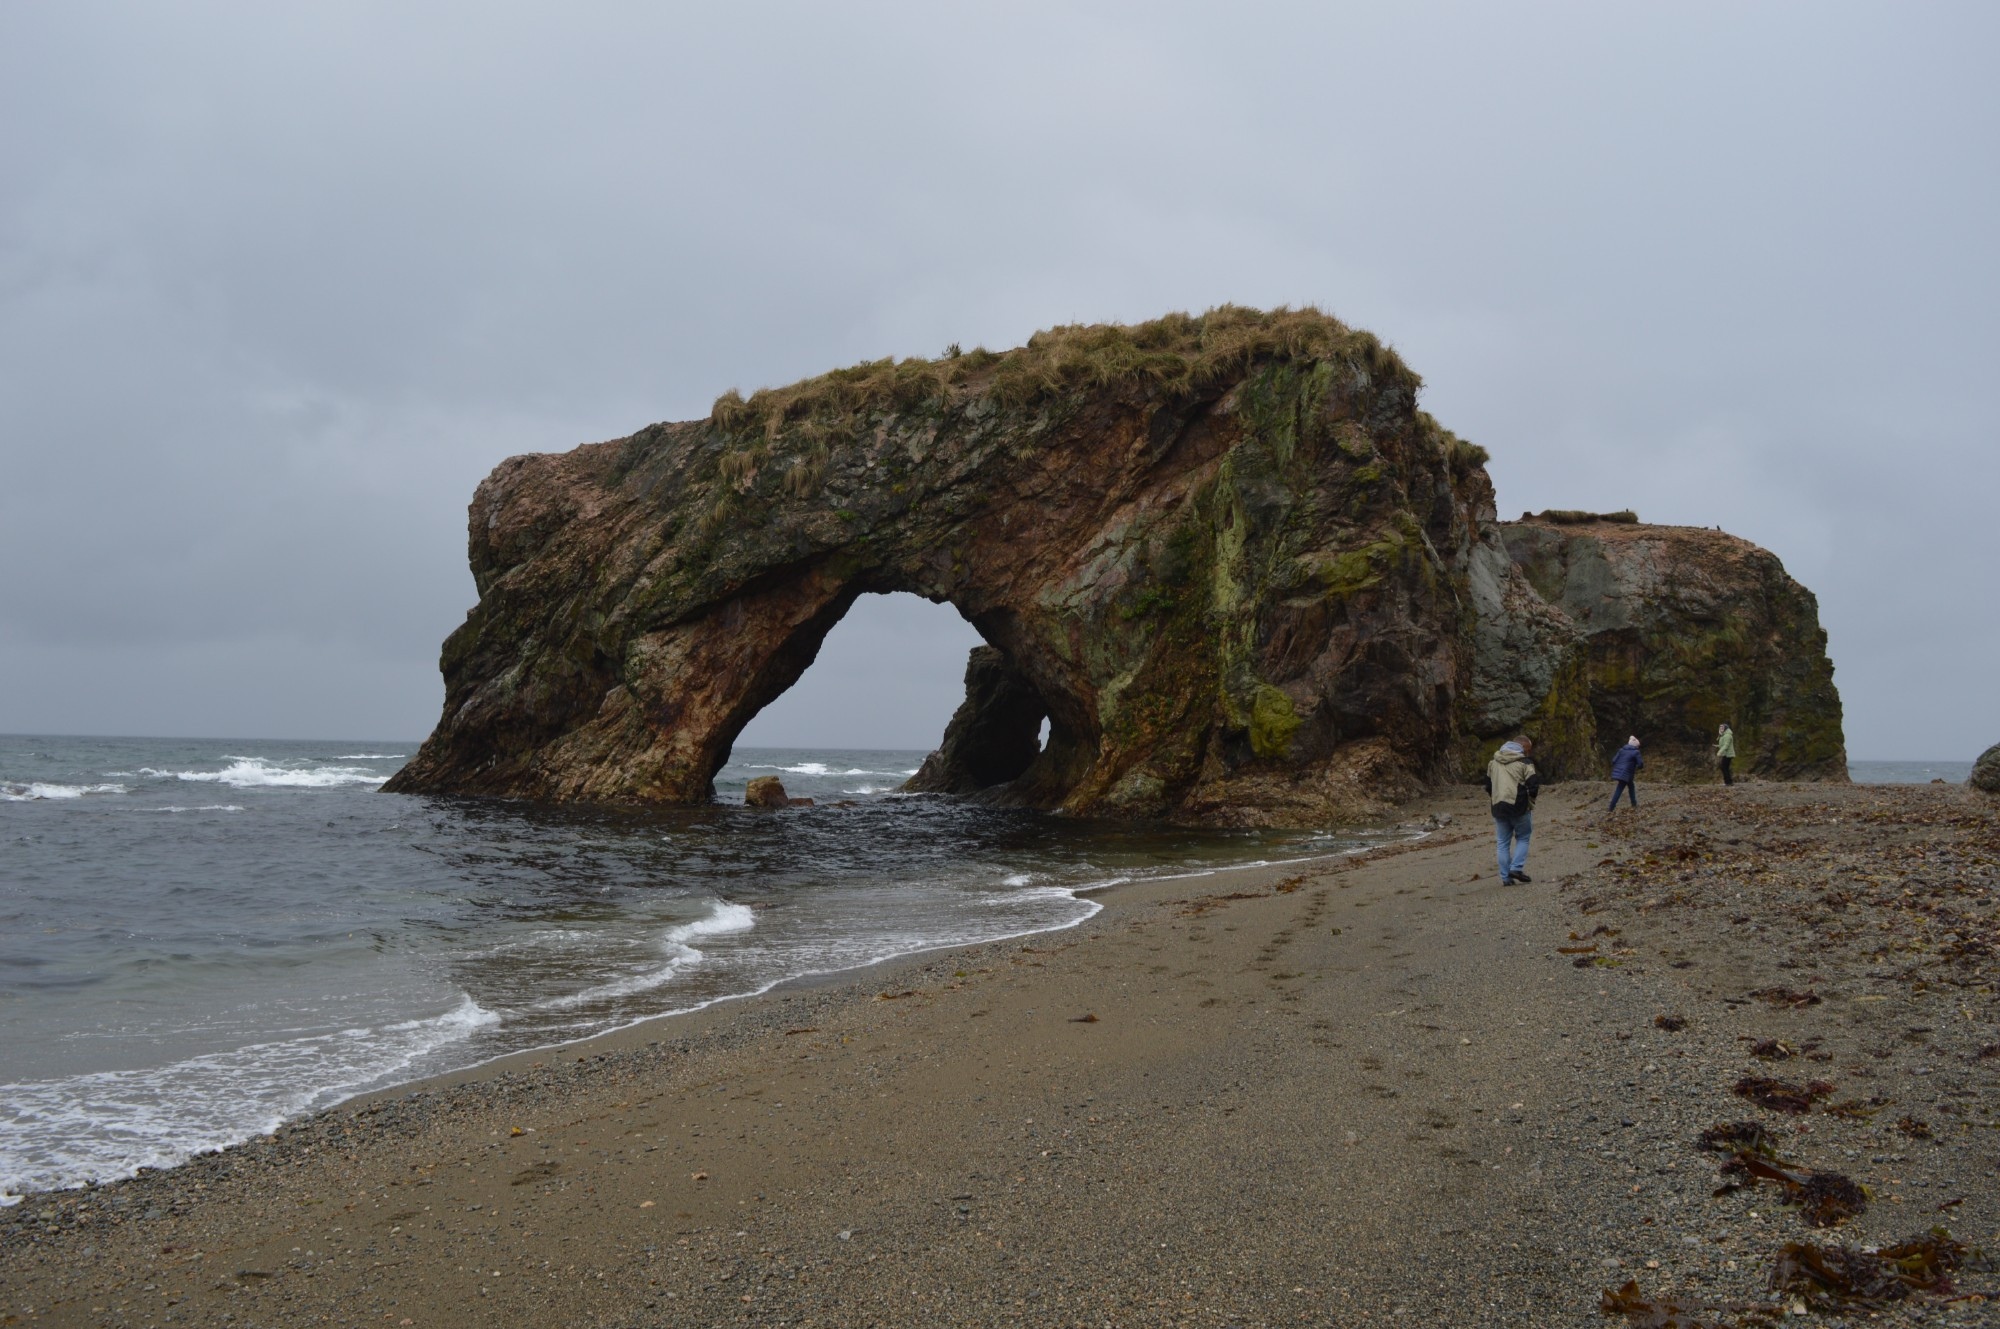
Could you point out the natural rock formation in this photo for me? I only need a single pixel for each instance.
(1530, 671)
(993, 737)
(1243, 577)
(766, 791)
(1986, 771)
(1675, 630)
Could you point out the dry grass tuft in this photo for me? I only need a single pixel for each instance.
(1181, 353)
(737, 467)
(1463, 456)
(1578, 517)
(808, 472)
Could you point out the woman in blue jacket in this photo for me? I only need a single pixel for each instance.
(1624, 768)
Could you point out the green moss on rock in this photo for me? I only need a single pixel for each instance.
(1273, 721)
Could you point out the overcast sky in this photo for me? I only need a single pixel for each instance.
(280, 283)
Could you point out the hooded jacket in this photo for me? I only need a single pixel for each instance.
(1512, 781)
(1725, 743)
(1626, 762)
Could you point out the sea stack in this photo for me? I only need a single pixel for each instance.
(1239, 572)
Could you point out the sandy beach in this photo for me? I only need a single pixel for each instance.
(1344, 1092)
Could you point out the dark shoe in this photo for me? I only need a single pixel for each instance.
(1520, 876)
(1505, 880)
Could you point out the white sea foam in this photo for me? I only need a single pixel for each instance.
(106, 1124)
(12, 792)
(821, 768)
(257, 773)
(1018, 879)
(676, 943)
(369, 756)
(727, 916)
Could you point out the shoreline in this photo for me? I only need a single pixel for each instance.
(1081, 893)
(797, 982)
(855, 976)
(1378, 1086)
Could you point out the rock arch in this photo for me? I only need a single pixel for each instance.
(1218, 549)
(1248, 581)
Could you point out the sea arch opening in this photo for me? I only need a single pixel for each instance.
(887, 676)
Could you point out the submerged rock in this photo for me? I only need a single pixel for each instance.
(1241, 575)
(1986, 771)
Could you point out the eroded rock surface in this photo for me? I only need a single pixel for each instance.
(993, 737)
(766, 791)
(1684, 628)
(1986, 771)
(1245, 579)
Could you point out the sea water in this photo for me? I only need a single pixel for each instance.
(201, 939)
(1908, 772)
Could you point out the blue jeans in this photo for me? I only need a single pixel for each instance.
(1511, 834)
(1623, 787)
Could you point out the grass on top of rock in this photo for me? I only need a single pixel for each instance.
(1578, 517)
(1177, 353)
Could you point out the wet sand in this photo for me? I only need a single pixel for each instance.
(1340, 1093)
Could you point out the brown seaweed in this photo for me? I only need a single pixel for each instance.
(1786, 997)
(1823, 1199)
(1667, 1313)
(1673, 1024)
(1834, 1278)
(1781, 1095)
(1854, 1109)
(1733, 1137)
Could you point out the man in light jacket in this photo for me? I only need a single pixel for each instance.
(1513, 782)
(1725, 751)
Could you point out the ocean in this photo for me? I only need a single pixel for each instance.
(200, 939)
(1908, 772)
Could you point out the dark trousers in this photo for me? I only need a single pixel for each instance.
(1726, 778)
(1624, 787)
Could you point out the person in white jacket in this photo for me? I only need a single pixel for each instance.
(1513, 782)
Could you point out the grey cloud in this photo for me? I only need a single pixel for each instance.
(278, 285)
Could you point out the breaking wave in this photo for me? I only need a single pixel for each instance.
(256, 773)
(821, 768)
(109, 1124)
(679, 952)
(12, 792)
